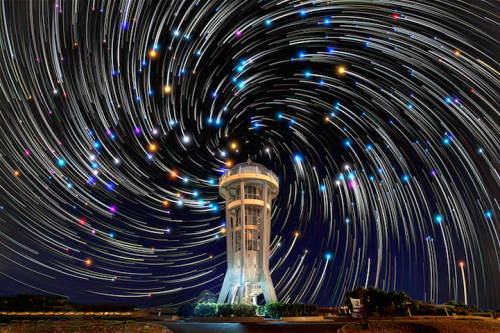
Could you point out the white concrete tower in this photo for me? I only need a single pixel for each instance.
(249, 189)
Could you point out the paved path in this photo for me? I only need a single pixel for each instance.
(182, 327)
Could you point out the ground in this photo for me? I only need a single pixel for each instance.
(431, 325)
(34, 326)
(423, 324)
(181, 327)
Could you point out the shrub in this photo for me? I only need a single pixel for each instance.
(186, 309)
(245, 310)
(463, 312)
(261, 310)
(273, 310)
(225, 310)
(390, 311)
(205, 310)
(192, 306)
(278, 310)
(311, 310)
(295, 310)
(378, 301)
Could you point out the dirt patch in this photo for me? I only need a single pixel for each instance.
(396, 327)
(431, 325)
(80, 326)
(467, 326)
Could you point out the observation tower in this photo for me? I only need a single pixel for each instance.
(249, 189)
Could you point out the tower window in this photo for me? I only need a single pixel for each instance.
(252, 240)
(237, 217)
(252, 215)
(237, 241)
(253, 192)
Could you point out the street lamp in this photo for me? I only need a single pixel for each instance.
(463, 277)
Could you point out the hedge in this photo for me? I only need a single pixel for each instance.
(205, 310)
(217, 310)
(245, 310)
(225, 310)
(271, 310)
(186, 310)
(278, 310)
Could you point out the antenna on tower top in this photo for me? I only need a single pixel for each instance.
(249, 160)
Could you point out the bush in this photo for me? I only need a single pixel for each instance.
(261, 310)
(311, 310)
(186, 309)
(278, 310)
(205, 310)
(225, 310)
(273, 310)
(378, 302)
(245, 310)
(192, 306)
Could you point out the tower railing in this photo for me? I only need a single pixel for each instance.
(249, 169)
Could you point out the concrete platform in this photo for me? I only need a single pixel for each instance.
(308, 319)
(225, 319)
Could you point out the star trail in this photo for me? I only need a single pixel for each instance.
(380, 118)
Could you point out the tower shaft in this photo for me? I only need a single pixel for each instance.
(248, 189)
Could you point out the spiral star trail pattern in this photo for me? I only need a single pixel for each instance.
(381, 119)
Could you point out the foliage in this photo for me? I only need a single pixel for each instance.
(245, 310)
(186, 309)
(278, 310)
(205, 310)
(377, 302)
(261, 310)
(273, 310)
(219, 310)
(206, 296)
(463, 311)
(225, 310)
(419, 308)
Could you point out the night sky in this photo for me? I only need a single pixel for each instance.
(380, 118)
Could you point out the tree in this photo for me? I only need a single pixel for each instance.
(206, 296)
(186, 309)
(376, 301)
